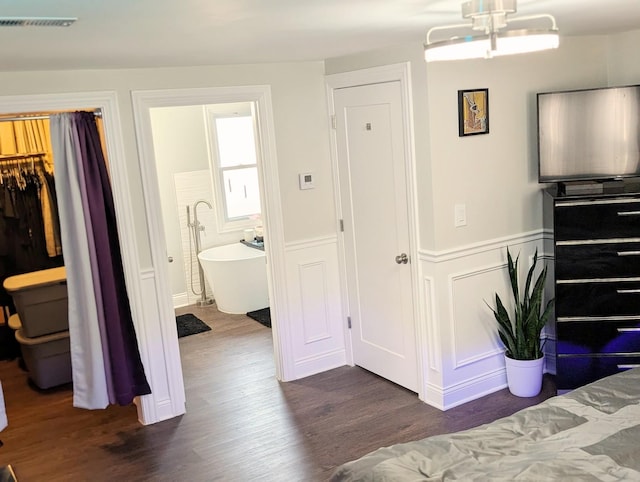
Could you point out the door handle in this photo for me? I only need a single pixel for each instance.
(402, 258)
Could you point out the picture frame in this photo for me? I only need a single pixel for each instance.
(473, 112)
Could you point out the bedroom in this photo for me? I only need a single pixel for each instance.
(493, 175)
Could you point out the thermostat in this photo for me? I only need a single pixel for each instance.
(306, 180)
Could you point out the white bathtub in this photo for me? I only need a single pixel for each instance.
(238, 277)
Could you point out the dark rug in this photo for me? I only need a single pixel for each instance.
(262, 316)
(189, 324)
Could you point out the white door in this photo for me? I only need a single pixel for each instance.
(374, 202)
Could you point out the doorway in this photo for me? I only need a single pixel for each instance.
(259, 96)
(223, 198)
(106, 103)
(374, 166)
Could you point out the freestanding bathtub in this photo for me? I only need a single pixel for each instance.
(238, 277)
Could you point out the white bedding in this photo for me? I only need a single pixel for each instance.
(590, 434)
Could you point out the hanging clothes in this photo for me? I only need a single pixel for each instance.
(50, 219)
(27, 136)
(23, 244)
(105, 358)
(21, 138)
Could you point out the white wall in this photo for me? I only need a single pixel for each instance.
(495, 176)
(179, 143)
(301, 130)
(300, 118)
(624, 58)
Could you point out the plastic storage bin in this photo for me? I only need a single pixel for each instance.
(47, 358)
(40, 298)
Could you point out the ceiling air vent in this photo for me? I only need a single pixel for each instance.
(36, 21)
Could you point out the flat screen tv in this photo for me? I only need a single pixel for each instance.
(589, 134)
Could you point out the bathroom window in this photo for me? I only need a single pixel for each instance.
(234, 168)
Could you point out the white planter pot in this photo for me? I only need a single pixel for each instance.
(524, 377)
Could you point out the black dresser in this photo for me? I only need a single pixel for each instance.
(597, 283)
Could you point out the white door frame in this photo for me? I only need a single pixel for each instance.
(107, 102)
(389, 73)
(145, 100)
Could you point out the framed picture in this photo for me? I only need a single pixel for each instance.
(473, 112)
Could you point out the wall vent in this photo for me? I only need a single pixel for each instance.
(36, 21)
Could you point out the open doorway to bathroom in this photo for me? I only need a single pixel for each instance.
(271, 213)
(206, 161)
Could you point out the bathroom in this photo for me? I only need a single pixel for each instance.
(200, 216)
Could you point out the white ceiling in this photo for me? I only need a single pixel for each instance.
(153, 33)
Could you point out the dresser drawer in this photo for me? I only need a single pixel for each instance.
(599, 260)
(591, 337)
(597, 219)
(575, 371)
(597, 299)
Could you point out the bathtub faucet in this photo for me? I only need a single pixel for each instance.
(201, 201)
(196, 223)
(197, 228)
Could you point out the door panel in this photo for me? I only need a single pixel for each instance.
(372, 172)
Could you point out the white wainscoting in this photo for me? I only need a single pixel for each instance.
(314, 306)
(465, 356)
(463, 359)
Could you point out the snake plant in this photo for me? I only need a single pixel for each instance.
(521, 335)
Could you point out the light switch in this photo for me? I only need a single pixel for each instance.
(460, 215)
(306, 180)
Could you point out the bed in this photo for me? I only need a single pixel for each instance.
(589, 434)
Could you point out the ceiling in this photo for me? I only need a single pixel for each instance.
(155, 33)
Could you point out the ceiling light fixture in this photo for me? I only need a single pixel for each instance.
(37, 21)
(489, 17)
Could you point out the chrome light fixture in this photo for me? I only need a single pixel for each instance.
(495, 38)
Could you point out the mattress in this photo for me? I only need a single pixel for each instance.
(589, 434)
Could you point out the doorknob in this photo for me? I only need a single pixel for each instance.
(402, 258)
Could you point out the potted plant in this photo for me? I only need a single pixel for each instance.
(521, 332)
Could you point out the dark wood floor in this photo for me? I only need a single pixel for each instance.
(241, 424)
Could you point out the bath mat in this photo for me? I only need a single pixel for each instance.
(262, 316)
(189, 324)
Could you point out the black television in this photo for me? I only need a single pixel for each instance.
(589, 134)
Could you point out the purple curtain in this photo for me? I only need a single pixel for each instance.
(128, 379)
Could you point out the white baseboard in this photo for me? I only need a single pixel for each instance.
(306, 367)
(473, 389)
(180, 300)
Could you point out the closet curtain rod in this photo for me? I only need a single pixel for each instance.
(97, 113)
(22, 157)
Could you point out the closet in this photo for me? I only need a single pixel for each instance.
(29, 224)
(101, 338)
